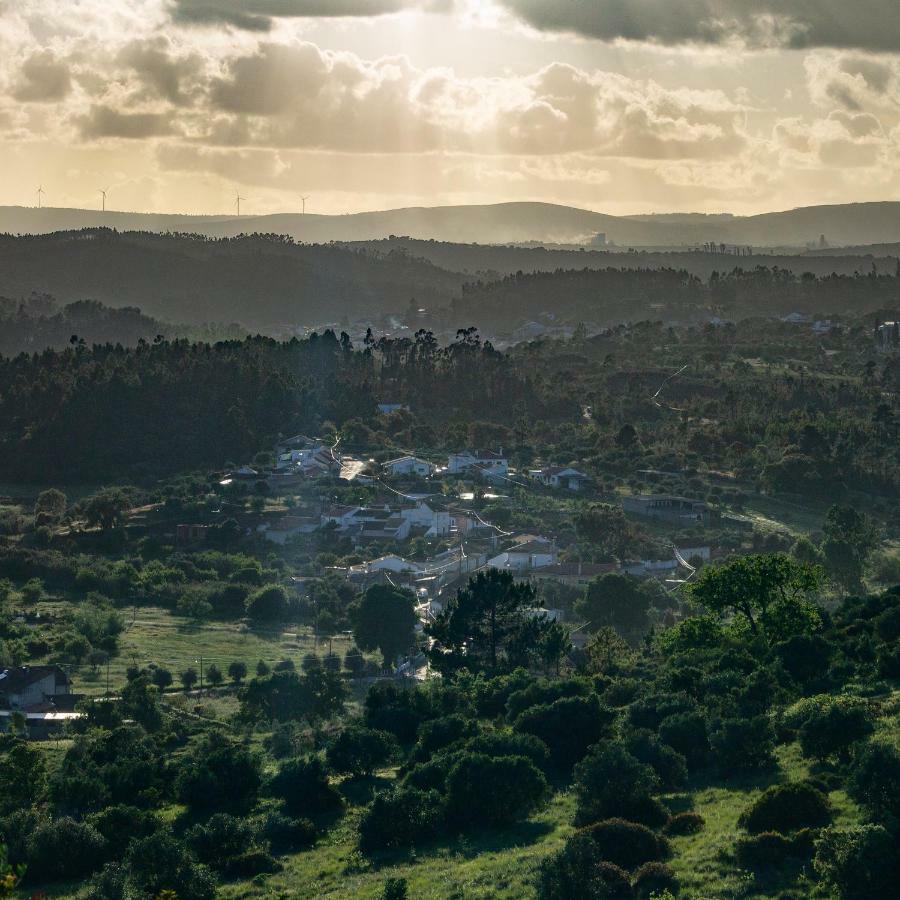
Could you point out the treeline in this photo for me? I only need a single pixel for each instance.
(257, 280)
(609, 296)
(37, 323)
(94, 414)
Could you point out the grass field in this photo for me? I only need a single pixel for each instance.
(154, 635)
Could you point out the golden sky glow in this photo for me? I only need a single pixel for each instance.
(622, 106)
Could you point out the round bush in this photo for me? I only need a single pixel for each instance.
(627, 844)
(875, 780)
(577, 873)
(654, 878)
(768, 849)
(685, 823)
(64, 849)
(399, 818)
(509, 743)
(786, 808)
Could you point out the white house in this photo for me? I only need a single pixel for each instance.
(559, 477)
(533, 553)
(432, 516)
(342, 516)
(408, 465)
(30, 687)
(487, 462)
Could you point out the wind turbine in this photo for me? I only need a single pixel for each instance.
(40, 193)
(304, 199)
(103, 192)
(237, 200)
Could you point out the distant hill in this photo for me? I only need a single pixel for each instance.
(258, 282)
(843, 225)
(485, 262)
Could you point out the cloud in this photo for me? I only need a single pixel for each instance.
(798, 24)
(257, 15)
(42, 79)
(162, 73)
(852, 81)
(300, 96)
(105, 122)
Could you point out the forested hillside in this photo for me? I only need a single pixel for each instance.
(259, 280)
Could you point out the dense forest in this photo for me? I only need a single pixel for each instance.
(261, 281)
(270, 284)
(38, 323)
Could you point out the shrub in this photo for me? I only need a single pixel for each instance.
(787, 807)
(359, 751)
(268, 604)
(285, 833)
(250, 862)
(685, 823)
(875, 780)
(436, 734)
(217, 769)
(400, 817)
(744, 745)
(433, 774)
(858, 863)
(568, 727)
(161, 863)
(653, 878)
(120, 825)
(395, 889)
(832, 729)
(222, 839)
(610, 782)
(669, 765)
(493, 790)
(509, 743)
(686, 733)
(772, 849)
(543, 693)
(578, 873)
(627, 844)
(63, 849)
(303, 785)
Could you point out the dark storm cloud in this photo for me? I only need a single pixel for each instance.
(862, 24)
(257, 15)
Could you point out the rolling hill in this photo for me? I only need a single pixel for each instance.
(849, 224)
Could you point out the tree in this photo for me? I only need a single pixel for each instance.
(610, 782)
(10, 876)
(770, 593)
(23, 775)
(354, 661)
(400, 818)
(606, 652)
(217, 768)
(832, 729)
(51, 503)
(606, 527)
(494, 791)
(858, 863)
(286, 696)
(358, 751)
(616, 601)
(189, 678)
(97, 658)
(557, 643)
(850, 539)
(481, 628)
(214, 675)
(160, 864)
(161, 677)
(268, 604)
(384, 620)
(237, 671)
(875, 780)
(304, 786)
(105, 509)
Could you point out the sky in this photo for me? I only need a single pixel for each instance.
(621, 106)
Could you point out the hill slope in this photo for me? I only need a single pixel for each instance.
(849, 224)
(256, 281)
